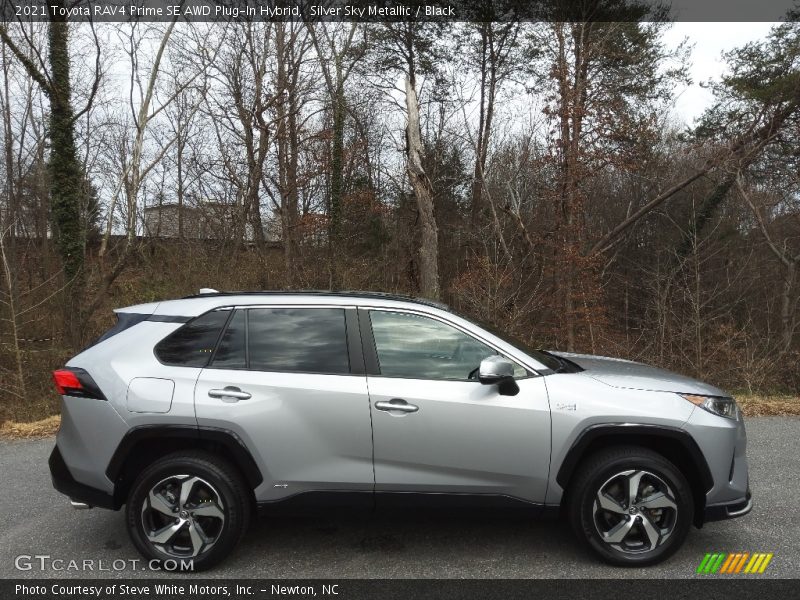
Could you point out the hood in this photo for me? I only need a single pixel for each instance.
(621, 373)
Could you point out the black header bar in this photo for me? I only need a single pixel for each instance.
(373, 11)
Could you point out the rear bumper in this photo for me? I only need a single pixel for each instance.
(729, 510)
(79, 492)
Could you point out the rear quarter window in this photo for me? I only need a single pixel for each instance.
(193, 344)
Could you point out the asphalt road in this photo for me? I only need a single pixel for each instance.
(36, 520)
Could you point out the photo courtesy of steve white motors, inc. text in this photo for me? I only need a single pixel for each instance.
(167, 589)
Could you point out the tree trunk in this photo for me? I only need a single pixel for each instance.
(287, 137)
(423, 192)
(787, 314)
(180, 191)
(66, 181)
(337, 177)
(337, 156)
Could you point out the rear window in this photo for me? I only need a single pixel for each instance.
(299, 340)
(289, 340)
(193, 344)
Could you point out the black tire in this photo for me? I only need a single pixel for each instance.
(215, 487)
(606, 470)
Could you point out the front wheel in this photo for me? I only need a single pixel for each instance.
(631, 506)
(190, 508)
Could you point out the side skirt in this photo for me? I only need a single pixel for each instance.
(413, 503)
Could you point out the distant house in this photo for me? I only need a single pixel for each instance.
(206, 220)
(167, 220)
(216, 221)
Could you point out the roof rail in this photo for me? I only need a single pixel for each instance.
(209, 292)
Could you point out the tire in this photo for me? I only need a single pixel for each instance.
(189, 507)
(630, 534)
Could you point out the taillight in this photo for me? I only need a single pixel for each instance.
(76, 382)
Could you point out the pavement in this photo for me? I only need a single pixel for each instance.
(37, 520)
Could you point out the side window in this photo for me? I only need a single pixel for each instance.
(231, 353)
(298, 340)
(417, 347)
(192, 344)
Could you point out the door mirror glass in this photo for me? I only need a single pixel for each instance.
(498, 370)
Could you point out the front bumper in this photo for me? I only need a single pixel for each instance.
(729, 510)
(65, 483)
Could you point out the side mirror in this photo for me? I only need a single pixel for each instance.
(499, 370)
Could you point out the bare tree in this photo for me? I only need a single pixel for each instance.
(788, 258)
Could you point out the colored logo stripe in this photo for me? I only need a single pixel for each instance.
(711, 563)
(738, 562)
(703, 563)
(728, 562)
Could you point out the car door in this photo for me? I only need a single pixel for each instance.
(437, 430)
(289, 381)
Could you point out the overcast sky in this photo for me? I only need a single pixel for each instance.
(710, 41)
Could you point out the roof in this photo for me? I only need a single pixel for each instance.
(210, 293)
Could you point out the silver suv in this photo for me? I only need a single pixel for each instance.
(193, 413)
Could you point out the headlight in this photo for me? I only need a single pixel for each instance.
(724, 407)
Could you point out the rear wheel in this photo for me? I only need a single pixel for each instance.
(188, 507)
(631, 506)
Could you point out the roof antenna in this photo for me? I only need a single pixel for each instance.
(208, 291)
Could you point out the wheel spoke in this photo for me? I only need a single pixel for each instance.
(658, 500)
(653, 534)
(606, 502)
(209, 509)
(616, 534)
(159, 503)
(634, 479)
(187, 485)
(198, 537)
(162, 536)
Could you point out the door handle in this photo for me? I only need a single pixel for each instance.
(229, 392)
(397, 404)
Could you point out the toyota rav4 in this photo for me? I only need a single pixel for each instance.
(193, 413)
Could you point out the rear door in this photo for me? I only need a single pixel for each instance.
(438, 430)
(289, 380)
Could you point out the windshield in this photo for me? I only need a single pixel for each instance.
(551, 361)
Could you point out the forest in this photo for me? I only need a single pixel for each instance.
(532, 175)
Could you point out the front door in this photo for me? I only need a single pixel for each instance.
(437, 429)
(282, 378)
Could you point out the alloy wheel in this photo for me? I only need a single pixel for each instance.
(183, 516)
(635, 511)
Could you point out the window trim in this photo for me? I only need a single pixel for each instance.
(371, 351)
(355, 354)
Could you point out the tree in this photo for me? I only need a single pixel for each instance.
(338, 51)
(755, 105)
(242, 118)
(605, 82)
(495, 54)
(291, 48)
(67, 189)
(412, 49)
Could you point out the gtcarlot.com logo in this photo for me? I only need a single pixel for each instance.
(46, 562)
(735, 563)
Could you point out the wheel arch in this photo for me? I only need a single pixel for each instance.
(674, 444)
(144, 444)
